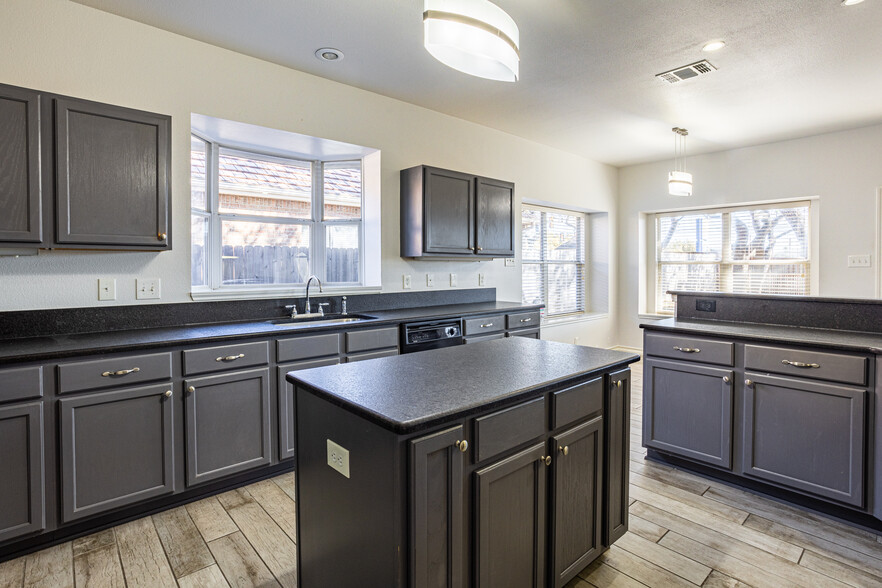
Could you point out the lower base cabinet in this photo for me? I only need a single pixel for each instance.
(22, 493)
(617, 441)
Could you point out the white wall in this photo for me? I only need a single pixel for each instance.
(843, 169)
(58, 46)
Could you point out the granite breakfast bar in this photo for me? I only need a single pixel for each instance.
(502, 463)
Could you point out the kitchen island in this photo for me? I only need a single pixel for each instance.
(502, 463)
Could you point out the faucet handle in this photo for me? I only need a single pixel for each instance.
(321, 307)
(344, 305)
(292, 308)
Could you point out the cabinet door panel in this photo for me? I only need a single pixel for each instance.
(20, 187)
(617, 412)
(577, 492)
(287, 407)
(449, 212)
(805, 435)
(22, 498)
(510, 521)
(437, 501)
(112, 175)
(227, 424)
(687, 410)
(116, 449)
(495, 217)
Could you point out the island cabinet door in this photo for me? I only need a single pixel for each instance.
(577, 495)
(227, 424)
(687, 411)
(617, 439)
(806, 436)
(436, 510)
(22, 499)
(510, 507)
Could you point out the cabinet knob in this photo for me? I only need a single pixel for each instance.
(748, 382)
(191, 389)
(162, 236)
(546, 459)
(463, 445)
(479, 249)
(168, 394)
(726, 379)
(619, 384)
(565, 449)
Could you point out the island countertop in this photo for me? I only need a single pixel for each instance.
(411, 392)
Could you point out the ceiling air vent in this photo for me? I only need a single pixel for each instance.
(687, 71)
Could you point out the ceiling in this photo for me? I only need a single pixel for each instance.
(791, 68)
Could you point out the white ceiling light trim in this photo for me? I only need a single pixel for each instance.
(473, 36)
(713, 46)
(679, 180)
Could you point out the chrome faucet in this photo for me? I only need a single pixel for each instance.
(308, 282)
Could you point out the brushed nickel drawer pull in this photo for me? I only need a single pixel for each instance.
(526, 320)
(230, 357)
(800, 364)
(121, 372)
(463, 445)
(687, 349)
(484, 326)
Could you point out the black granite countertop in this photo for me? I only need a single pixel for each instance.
(831, 338)
(411, 392)
(39, 348)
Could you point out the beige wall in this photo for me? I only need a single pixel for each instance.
(843, 169)
(59, 46)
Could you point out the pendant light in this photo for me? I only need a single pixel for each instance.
(473, 36)
(679, 180)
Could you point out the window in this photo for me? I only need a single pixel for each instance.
(745, 250)
(264, 222)
(553, 259)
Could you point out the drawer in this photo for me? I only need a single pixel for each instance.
(483, 325)
(528, 333)
(113, 372)
(21, 383)
(372, 355)
(835, 367)
(689, 348)
(509, 428)
(571, 404)
(308, 347)
(225, 357)
(522, 320)
(480, 338)
(371, 339)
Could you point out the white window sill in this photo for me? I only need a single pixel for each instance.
(645, 316)
(280, 292)
(581, 318)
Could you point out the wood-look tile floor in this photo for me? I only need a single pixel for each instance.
(685, 531)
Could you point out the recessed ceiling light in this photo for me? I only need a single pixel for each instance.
(329, 54)
(714, 45)
(851, 2)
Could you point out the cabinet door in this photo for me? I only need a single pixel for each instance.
(117, 448)
(617, 417)
(22, 498)
(577, 495)
(687, 411)
(20, 191)
(449, 212)
(287, 407)
(805, 435)
(494, 221)
(510, 521)
(112, 176)
(436, 510)
(227, 424)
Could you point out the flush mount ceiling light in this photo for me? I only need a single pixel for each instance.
(679, 180)
(473, 36)
(329, 54)
(713, 46)
(851, 2)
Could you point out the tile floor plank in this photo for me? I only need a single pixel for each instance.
(183, 544)
(724, 511)
(642, 527)
(211, 519)
(143, 559)
(210, 577)
(286, 483)
(644, 570)
(99, 568)
(233, 498)
(669, 476)
(94, 541)
(277, 504)
(12, 573)
(839, 571)
(240, 564)
(275, 548)
(720, 580)
(50, 568)
(600, 575)
(691, 571)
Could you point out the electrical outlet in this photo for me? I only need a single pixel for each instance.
(338, 458)
(509, 262)
(575, 340)
(405, 281)
(480, 279)
(453, 280)
(106, 289)
(430, 280)
(147, 288)
(859, 260)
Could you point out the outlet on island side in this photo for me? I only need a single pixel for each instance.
(706, 305)
(338, 458)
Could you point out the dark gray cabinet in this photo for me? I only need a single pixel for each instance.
(617, 437)
(20, 187)
(687, 410)
(576, 496)
(451, 214)
(808, 436)
(22, 494)
(510, 513)
(117, 448)
(227, 420)
(437, 501)
(287, 407)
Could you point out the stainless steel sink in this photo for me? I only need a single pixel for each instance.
(318, 319)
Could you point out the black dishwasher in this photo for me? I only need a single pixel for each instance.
(430, 335)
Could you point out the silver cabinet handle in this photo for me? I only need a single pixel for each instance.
(230, 357)
(463, 445)
(726, 379)
(484, 326)
(121, 372)
(526, 320)
(800, 364)
(167, 393)
(748, 382)
(687, 349)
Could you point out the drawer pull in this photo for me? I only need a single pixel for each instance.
(800, 364)
(463, 445)
(565, 449)
(485, 325)
(546, 459)
(230, 357)
(167, 393)
(687, 349)
(121, 372)
(526, 320)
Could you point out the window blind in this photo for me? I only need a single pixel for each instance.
(553, 259)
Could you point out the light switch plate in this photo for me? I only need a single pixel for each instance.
(453, 280)
(859, 260)
(480, 279)
(106, 288)
(405, 281)
(338, 458)
(147, 288)
(430, 280)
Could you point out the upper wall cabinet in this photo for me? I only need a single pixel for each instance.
(84, 175)
(449, 214)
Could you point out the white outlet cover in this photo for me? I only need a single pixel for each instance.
(480, 279)
(430, 280)
(106, 288)
(338, 458)
(509, 262)
(405, 281)
(453, 280)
